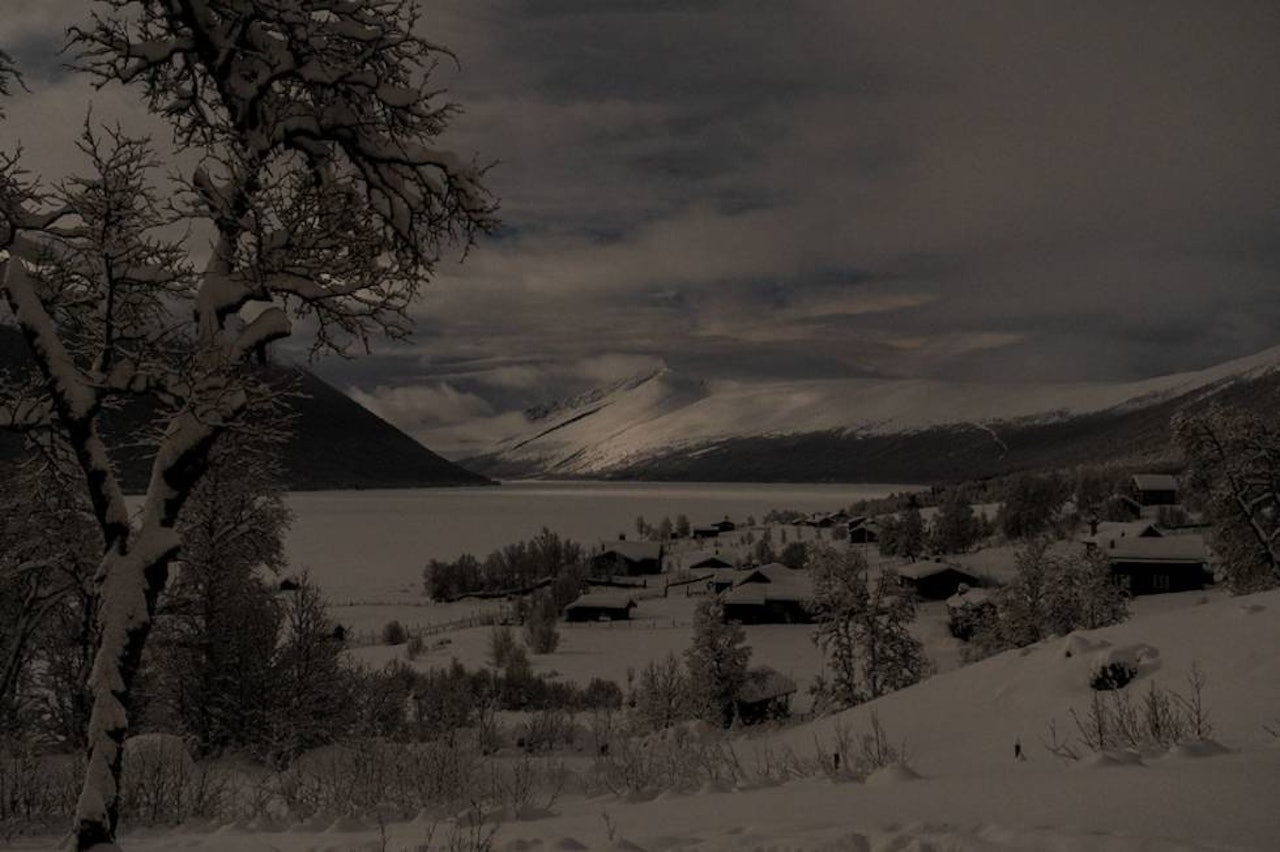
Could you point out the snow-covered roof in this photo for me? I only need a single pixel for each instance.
(603, 600)
(774, 581)
(765, 684)
(1114, 530)
(1155, 482)
(968, 597)
(928, 568)
(1174, 548)
(632, 550)
(713, 560)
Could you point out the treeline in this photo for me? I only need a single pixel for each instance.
(544, 560)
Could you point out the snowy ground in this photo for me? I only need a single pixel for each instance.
(958, 728)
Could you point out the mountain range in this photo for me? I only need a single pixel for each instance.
(336, 442)
(668, 426)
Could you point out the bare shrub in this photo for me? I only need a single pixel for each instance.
(393, 633)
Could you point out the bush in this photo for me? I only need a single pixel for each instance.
(417, 645)
(1114, 675)
(540, 632)
(393, 633)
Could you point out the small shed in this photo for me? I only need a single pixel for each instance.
(934, 581)
(764, 695)
(725, 526)
(600, 606)
(863, 531)
(967, 610)
(628, 558)
(1154, 489)
(1146, 566)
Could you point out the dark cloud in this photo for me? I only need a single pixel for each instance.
(741, 188)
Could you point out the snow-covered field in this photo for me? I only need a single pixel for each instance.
(963, 790)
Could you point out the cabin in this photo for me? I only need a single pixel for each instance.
(863, 531)
(934, 581)
(770, 594)
(725, 526)
(765, 694)
(628, 558)
(1148, 566)
(708, 531)
(1154, 489)
(600, 606)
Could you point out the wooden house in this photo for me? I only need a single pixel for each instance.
(770, 594)
(1145, 566)
(725, 526)
(1102, 533)
(1154, 489)
(934, 581)
(708, 531)
(765, 694)
(600, 606)
(628, 558)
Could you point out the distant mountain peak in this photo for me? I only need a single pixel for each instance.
(663, 424)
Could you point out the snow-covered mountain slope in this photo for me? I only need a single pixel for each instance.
(665, 421)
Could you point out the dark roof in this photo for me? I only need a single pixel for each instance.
(635, 551)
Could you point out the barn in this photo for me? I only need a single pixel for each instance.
(600, 606)
(934, 581)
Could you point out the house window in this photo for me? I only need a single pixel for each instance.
(1160, 582)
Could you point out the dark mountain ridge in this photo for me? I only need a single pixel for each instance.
(336, 443)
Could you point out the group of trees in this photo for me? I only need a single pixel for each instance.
(863, 629)
(704, 685)
(545, 559)
(1051, 594)
(955, 528)
(306, 135)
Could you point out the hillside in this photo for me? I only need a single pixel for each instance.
(336, 444)
(666, 426)
(960, 789)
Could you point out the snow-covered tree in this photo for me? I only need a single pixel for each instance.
(212, 664)
(717, 663)
(892, 657)
(863, 628)
(955, 528)
(839, 598)
(1233, 474)
(311, 124)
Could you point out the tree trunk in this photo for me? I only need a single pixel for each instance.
(130, 583)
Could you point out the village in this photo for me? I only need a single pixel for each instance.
(644, 585)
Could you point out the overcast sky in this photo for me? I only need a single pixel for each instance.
(980, 190)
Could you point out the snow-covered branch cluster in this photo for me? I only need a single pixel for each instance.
(313, 123)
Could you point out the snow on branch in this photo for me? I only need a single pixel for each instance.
(315, 120)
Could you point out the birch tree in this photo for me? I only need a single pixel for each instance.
(310, 127)
(1233, 472)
